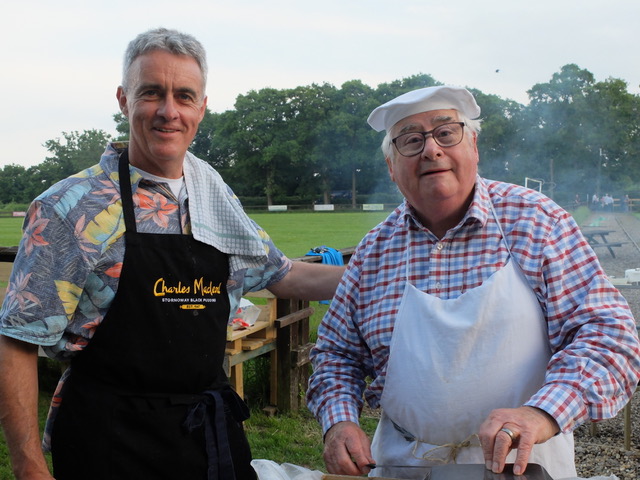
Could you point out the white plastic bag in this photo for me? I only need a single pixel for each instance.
(246, 315)
(269, 470)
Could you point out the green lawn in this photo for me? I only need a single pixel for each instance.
(10, 231)
(293, 233)
(296, 233)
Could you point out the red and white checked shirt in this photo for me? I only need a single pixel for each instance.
(596, 354)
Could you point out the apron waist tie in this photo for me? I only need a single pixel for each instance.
(431, 454)
(209, 412)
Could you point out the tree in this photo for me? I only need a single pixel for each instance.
(13, 184)
(213, 143)
(616, 129)
(580, 134)
(76, 152)
(314, 106)
(499, 140)
(389, 91)
(345, 154)
(556, 139)
(262, 139)
(122, 126)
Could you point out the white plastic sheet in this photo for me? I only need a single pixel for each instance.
(269, 470)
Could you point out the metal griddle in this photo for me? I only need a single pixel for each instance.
(467, 472)
(479, 472)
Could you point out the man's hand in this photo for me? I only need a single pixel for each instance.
(347, 450)
(528, 425)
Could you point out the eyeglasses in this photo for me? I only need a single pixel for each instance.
(445, 135)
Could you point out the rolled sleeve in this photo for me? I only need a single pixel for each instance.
(596, 354)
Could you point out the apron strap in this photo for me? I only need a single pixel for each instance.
(209, 412)
(125, 192)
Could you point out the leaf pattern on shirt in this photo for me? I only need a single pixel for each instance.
(17, 292)
(77, 343)
(105, 228)
(33, 231)
(155, 206)
(109, 189)
(70, 197)
(78, 233)
(69, 294)
(114, 272)
(91, 328)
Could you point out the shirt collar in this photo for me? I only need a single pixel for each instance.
(109, 163)
(477, 213)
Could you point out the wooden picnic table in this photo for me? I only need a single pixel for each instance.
(597, 237)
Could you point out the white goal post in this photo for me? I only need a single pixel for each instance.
(533, 183)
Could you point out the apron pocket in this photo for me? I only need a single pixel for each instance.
(149, 441)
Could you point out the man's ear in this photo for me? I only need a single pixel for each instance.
(390, 167)
(122, 101)
(475, 147)
(203, 109)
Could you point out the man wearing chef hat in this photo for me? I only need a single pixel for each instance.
(476, 315)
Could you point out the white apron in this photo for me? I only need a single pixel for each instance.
(451, 362)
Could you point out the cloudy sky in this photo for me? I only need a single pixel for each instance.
(61, 59)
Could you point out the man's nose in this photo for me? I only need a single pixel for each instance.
(431, 148)
(167, 108)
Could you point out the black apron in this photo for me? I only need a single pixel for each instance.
(148, 397)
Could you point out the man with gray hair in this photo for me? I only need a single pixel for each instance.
(129, 272)
(476, 316)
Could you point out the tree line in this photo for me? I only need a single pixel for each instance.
(576, 136)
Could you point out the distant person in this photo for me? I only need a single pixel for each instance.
(595, 202)
(607, 202)
(577, 201)
(476, 315)
(129, 271)
(626, 204)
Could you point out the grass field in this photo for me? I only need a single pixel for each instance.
(10, 231)
(294, 233)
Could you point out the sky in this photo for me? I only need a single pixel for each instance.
(61, 61)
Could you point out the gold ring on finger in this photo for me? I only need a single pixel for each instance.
(512, 435)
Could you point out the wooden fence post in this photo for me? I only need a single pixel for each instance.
(293, 349)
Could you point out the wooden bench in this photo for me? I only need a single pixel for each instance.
(598, 238)
(609, 246)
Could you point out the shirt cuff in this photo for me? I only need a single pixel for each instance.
(339, 412)
(563, 403)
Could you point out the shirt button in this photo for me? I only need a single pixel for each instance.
(438, 286)
(439, 246)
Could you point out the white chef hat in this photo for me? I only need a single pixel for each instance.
(423, 100)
